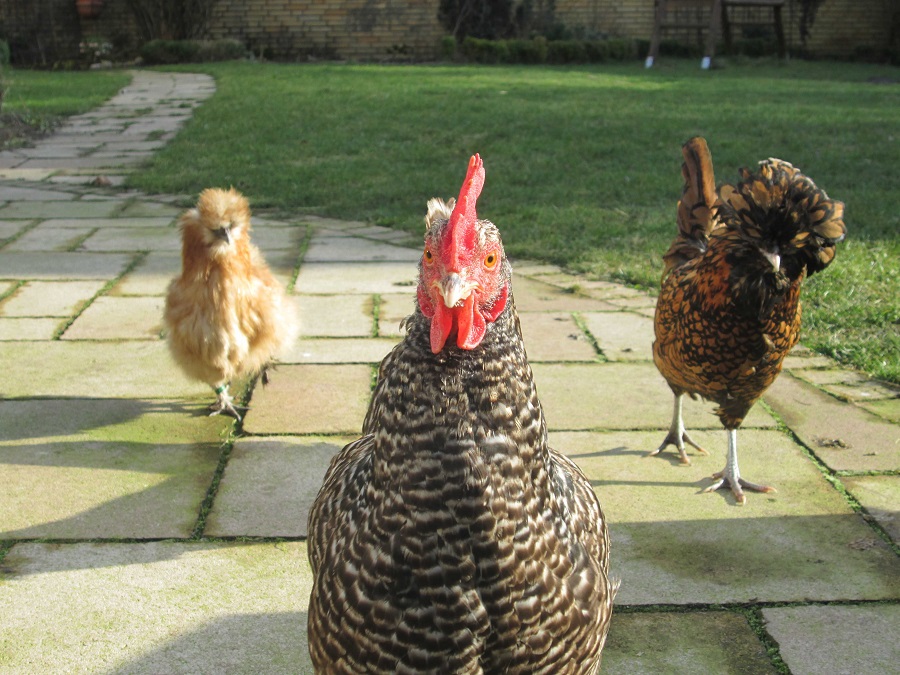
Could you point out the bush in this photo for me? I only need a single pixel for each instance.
(4, 53)
(163, 52)
(541, 50)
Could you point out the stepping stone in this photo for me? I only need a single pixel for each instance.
(103, 468)
(116, 318)
(106, 223)
(311, 399)
(156, 607)
(277, 238)
(50, 298)
(393, 308)
(60, 209)
(860, 640)
(593, 396)
(270, 484)
(843, 436)
(673, 544)
(16, 193)
(690, 642)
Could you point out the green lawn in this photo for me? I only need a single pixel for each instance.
(583, 163)
(35, 101)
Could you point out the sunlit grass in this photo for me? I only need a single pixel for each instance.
(46, 94)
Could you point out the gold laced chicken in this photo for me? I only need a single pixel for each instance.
(450, 538)
(226, 315)
(728, 311)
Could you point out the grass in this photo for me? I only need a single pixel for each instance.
(583, 163)
(35, 101)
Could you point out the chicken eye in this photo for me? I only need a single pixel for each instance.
(490, 260)
(429, 258)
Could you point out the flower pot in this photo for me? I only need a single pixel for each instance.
(88, 9)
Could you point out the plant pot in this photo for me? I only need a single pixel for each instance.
(88, 9)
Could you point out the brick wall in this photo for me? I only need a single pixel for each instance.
(840, 28)
(355, 29)
(372, 30)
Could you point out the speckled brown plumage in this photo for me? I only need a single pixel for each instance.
(729, 307)
(450, 538)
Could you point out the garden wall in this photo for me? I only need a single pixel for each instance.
(50, 30)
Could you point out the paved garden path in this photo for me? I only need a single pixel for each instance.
(139, 536)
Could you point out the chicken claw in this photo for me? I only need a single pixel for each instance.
(677, 435)
(225, 404)
(731, 475)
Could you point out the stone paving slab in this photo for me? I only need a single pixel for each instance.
(28, 329)
(845, 437)
(79, 209)
(335, 316)
(89, 369)
(839, 640)
(343, 350)
(880, 496)
(49, 298)
(536, 296)
(270, 484)
(554, 336)
(592, 396)
(672, 544)
(664, 642)
(54, 265)
(133, 239)
(151, 276)
(104, 223)
(392, 309)
(42, 238)
(102, 468)
(113, 318)
(368, 278)
(8, 228)
(622, 336)
(157, 607)
(311, 399)
(20, 193)
(888, 409)
(343, 249)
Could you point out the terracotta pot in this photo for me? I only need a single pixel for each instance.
(88, 9)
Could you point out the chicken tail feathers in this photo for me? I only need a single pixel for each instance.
(696, 208)
(780, 204)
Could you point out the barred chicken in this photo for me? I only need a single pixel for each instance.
(226, 315)
(729, 308)
(450, 538)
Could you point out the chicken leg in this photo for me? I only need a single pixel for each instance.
(677, 435)
(731, 475)
(224, 403)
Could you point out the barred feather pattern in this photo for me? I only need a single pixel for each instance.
(726, 319)
(450, 538)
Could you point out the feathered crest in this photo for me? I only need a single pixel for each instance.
(779, 204)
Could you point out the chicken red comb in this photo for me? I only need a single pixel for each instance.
(462, 234)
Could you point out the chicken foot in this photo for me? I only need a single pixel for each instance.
(225, 404)
(731, 475)
(677, 435)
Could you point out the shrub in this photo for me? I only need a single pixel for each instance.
(163, 52)
(566, 51)
(4, 53)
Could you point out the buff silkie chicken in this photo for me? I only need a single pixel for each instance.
(729, 308)
(226, 315)
(450, 538)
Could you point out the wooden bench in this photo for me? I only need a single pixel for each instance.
(718, 19)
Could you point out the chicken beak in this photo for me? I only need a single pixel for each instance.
(453, 289)
(224, 234)
(774, 259)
